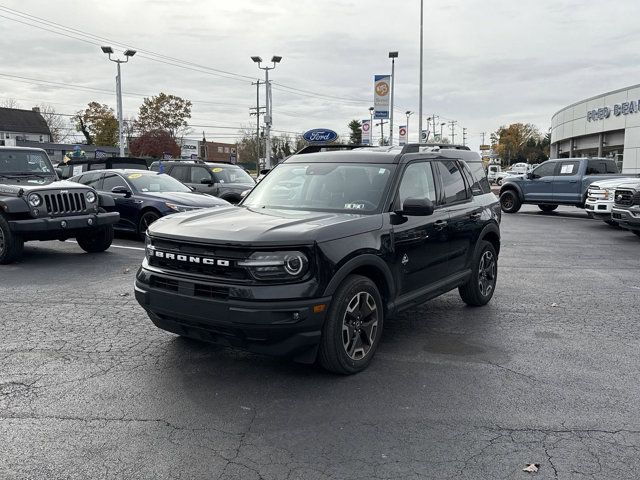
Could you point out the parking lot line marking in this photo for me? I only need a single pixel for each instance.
(114, 246)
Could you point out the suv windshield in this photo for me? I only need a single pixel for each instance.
(154, 182)
(231, 174)
(24, 161)
(335, 187)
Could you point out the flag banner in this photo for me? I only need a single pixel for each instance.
(100, 154)
(366, 132)
(402, 134)
(425, 136)
(381, 95)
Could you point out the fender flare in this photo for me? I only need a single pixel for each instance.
(491, 228)
(515, 187)
(366, 260)
(105, 201)
(14, 205)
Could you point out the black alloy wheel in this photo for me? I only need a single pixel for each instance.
(509, 202)
(480, 288)
(146, 220)
(353, 326)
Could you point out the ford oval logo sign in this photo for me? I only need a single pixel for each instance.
(320, 135)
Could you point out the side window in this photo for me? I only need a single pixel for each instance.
(453, 185)
(198, 174)
(547, 169)
(417, 182)
(612, 167)
(180, 173)
(112, 180)
(596, 167)
(479, 183)
(90, 179)
(568, 168)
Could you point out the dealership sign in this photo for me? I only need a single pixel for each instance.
(320, 135)
(624, 108)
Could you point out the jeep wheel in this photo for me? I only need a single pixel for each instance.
(352, 330)
(509, 202)
(10, 244)
(97, 240)
(146, 219)
(480, 287)
(546, 208)
(499, 181)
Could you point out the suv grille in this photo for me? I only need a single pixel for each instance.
(62, 203)
(626, 198)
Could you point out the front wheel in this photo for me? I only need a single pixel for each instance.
(499, 181)
(546, 208)
(146, 219)
(97, 240)
(353, 327)
(510, 202)
(480, 287)
(11, 245)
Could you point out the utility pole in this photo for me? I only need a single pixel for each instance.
(453, 131)
(421, 52)
(381, 125)
(392, 56)
(268, 116)
(433, 118)
(464, 136)
(483, 135)
(258, 111)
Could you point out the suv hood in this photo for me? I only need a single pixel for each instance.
(186, 198)
(614, 182)
(31, 184)
(242, 225)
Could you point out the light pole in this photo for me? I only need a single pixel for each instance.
(371, 110)
(268, 114)
(392, 56)
(420, 101)
(442, 125)
(408, 114)
(128, 54)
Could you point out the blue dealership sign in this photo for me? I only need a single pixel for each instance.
(320, 135)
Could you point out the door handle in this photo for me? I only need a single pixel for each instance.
(440, 224)
(573, 181)
(475, 216)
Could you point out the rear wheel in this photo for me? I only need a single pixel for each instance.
(11, 245)
(509, 202)
(97, 240)
(480, 287)
(547, 208)
(353, 327)
(499, 181)
(146, 219)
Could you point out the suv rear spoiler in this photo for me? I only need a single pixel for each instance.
(415, 147)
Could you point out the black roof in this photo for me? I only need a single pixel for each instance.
(22, 121)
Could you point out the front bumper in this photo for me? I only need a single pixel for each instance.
(204, 311)
(599, 209)
(626, 218)
(75, 222)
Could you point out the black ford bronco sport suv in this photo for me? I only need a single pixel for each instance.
(35, 205)
(324, 250)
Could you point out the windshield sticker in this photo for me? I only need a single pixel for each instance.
(381, 171)
(354, 206)
(133, 176)
(216, 170)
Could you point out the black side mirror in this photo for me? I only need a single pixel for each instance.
(121, 191)
(417, 207)
(206, 181)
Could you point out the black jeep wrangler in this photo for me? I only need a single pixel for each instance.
(324, 250)
(35, 205)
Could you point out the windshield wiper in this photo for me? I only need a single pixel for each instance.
(27, 174)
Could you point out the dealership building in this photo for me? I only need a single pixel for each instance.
(606, 125)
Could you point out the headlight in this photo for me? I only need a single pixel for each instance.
(34, 200)
(180, 208)
(276, 265)
(90, 197)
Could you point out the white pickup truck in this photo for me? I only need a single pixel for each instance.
(600, 198)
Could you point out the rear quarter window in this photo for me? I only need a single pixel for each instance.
(479, 182)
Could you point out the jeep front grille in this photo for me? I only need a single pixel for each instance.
(63, 203)
(624, 198)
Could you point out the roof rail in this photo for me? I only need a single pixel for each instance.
(415, 147)
(321, 147)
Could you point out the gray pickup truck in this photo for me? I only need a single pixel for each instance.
(556, 182)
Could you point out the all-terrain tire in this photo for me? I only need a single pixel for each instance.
(510, 202)
(11, 245)
(97, 240)
(547, 208)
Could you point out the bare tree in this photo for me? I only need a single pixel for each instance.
(9, 103)
(58, 126)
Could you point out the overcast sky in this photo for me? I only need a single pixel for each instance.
(487, 63)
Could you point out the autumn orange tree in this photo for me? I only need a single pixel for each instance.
(154, 144)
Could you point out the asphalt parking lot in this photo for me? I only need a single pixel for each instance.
(547, 373)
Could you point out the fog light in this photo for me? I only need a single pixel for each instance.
(63, 224)
(296, 316)
(36, 212)
(90, 221)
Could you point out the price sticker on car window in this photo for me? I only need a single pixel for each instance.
(133, 176)
(354, 206)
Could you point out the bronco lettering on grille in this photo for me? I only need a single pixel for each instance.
(188, 258)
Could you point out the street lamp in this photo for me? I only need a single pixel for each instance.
(442, 125)
(392, 56)
(408, 113)
(127, 54)
(268, 114)
(371, 110)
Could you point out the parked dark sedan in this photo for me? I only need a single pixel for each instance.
(141, 197)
